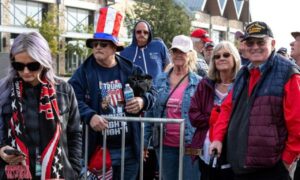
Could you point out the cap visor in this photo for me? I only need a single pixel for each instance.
(295, 34)
(206, 40)
(254, 36)
(185, 50)
(89, 43)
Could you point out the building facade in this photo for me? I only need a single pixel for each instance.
(76, 21)
(221, 18)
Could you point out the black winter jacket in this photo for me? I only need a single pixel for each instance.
(71, 137)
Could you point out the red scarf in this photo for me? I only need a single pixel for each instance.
(51, 157)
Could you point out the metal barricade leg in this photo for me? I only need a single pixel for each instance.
(86, 153)
(142, 120)
(181, 153)
(142, 151)
(104, 155)
(123, 151)
(160, 150)
(86, 136)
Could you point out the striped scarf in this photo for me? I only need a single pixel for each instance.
(51, 157)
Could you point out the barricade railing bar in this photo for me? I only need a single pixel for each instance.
(142, 120)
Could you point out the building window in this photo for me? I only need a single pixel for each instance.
(75, 54)
(231, 37)
(21, 10)
(218, 36)
(79, 20)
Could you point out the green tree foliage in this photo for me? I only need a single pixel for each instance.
(166, 18)
(48, 28)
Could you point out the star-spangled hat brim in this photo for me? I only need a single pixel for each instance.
(104, 37)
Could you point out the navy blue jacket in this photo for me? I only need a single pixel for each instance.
(152, 58)
(257, 131)
(88, 96)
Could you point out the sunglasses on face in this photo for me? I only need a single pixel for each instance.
(102, 44)
(142, 31)
(251, 42)
(33, 66)
(218, 56)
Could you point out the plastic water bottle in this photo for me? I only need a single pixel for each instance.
(128, 93)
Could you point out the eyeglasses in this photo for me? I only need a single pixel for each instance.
(251, 42)
(218, 56)
(102, 44)
(142, 31)
(33, 66)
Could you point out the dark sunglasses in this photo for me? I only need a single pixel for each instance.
(33, 66)
(142, 31)
(102, 44)
(251, 42)
(218, 56)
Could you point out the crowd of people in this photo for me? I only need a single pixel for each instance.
(238, 101)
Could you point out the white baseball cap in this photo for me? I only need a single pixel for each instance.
(183, 43)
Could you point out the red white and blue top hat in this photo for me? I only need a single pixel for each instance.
(108, 27)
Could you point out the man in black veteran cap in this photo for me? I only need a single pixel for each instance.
(262, 138)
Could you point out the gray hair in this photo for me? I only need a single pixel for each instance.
(213, 73)
(38, 49)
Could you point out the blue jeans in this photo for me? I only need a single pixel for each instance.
(170, 168)
(131, 170)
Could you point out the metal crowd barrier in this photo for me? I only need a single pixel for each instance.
(142, 120)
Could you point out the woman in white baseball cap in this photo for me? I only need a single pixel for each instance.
(175, 89)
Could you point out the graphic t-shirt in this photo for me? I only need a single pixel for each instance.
(174, 104)
(112, 104)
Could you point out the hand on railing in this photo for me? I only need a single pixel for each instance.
(98, 123)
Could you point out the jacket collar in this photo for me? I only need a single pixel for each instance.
(193, 77)
(266, 65)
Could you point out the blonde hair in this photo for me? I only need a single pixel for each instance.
(192, 56)
(213, 73)
(191, 64)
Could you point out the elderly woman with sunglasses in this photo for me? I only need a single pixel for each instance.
(175, 89)
(39, 116)
(205, 104)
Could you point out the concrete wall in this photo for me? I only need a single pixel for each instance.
(4, 64)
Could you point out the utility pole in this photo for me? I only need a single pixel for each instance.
(58, 44)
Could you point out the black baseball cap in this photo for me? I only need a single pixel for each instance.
(257, 29)
(209, 44)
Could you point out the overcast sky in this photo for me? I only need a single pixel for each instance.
(283, 16)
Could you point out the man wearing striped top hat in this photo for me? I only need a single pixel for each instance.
(99, 84)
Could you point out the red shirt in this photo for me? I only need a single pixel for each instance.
(291, 104)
